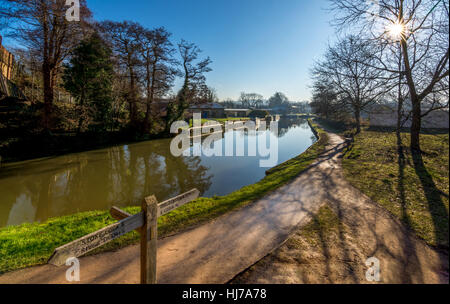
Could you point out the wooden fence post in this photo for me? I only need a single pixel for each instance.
(145, 222)
(149, 236)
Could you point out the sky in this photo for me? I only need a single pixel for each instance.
(257, 46)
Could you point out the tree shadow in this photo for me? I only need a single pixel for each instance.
(408, 243)
(436, 206)
(401, 162)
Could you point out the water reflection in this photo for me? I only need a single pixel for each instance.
(123, 175)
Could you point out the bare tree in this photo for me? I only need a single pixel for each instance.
(423, 28)
(251, 100)
(348, 68)
(206, 94)
(159, 66)
(194, 79)
(42, 27)
(123, 37)
(194, 73)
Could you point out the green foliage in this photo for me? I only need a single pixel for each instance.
(176, 108)
(88, 78)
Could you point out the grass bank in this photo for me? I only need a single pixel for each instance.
(32, 244)
(219, 120)
(413, 188)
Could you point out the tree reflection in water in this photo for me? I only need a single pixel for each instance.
(124, 175)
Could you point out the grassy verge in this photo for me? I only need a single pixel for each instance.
(414, 191)
(32, 244)
(223, 120)
(219, 120)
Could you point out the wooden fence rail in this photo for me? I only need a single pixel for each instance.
(145, 223)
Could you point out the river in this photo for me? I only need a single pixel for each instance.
(35, 190)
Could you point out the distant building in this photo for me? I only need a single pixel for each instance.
(6, 62)
(8, 90)
(207, 110)
(237, 112)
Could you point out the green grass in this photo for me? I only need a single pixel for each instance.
(223, 120)
(32, 244)
(220, 120)
(203, 121)
(416, 194)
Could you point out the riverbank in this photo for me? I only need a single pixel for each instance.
(32, 244)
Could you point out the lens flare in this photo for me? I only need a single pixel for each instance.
(396, 30)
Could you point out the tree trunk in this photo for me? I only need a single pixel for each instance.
(358, 120)
(416, 108)
(150, 95)
(81, 113)
(400, 99)
(399, 115)
(48, 95)
(132, 100)
(416, 125)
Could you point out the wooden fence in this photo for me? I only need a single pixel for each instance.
(145, 223)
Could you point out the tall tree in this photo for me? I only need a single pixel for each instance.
(194, 77)
(123, 37)
(43, 28)
(424, 30)
(159, 66)
(88, 77)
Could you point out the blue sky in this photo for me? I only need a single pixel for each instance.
(258, 46)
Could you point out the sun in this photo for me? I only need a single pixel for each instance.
(396, 30)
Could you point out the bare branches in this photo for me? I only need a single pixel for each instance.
(424, 46)
(42, 27)
(349, 70)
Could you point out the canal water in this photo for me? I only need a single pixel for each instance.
(33, 191)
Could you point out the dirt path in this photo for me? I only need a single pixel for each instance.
(337, 250)
(217, 251)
